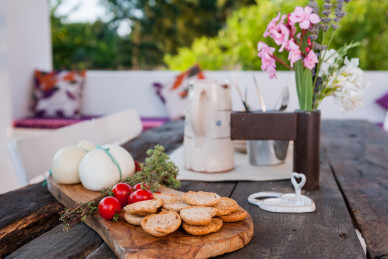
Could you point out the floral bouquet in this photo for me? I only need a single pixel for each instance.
(319, 71)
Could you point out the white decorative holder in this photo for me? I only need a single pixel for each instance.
(284, 203)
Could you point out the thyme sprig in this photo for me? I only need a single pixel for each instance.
(156, 170)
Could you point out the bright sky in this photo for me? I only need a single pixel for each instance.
(89, 11)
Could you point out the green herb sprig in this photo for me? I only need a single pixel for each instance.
(155, 171)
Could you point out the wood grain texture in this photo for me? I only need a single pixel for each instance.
(24, 215)
(129, 241)
(327, 232)
(78, 242)
(275, 234)
(103, 251)
(358, 155)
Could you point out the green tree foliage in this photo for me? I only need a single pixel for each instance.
(157, 28)
(235, 45)
(367, 22)
(87, 45)
(162, 26)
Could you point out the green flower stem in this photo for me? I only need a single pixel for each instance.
(281, 62)
(304, 83)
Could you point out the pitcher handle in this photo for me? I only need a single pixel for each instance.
(197, 111)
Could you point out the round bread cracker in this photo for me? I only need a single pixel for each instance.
(238, 215)
(201, 198)
(168, 197)
(176, 206)
(161, 224)
(133, 219)
(198, 215)
(226, 206)
(147, 206)
(143, 214)
(214, 226)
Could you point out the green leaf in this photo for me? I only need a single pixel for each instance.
(308, 89)
(298, 81)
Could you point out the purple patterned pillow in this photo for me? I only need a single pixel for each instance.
(383, 101)
(57, 93)
(174, 94)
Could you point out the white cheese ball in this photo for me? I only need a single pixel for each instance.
(87, 145)
(66, 163)
(97, 170)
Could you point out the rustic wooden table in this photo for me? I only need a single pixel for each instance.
(353, 194)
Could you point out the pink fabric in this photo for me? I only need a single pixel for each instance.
(55, 123)
(383, 101)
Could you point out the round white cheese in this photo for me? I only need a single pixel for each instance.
(97, 170)
(87, 145)
(66, 163)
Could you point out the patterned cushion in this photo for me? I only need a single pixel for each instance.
(174, 95)
(57, 93)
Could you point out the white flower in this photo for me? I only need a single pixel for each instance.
(350, 84)
(329, 61)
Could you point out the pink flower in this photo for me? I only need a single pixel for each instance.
(295, 53)
(268, 62)
(281, 36)
(304, 17)
(271, 72)
(310, 60)
(271, 26)
(290, 26)
(278, 31)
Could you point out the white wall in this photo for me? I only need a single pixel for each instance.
(112, 91)
(29, 47)
(25, 44)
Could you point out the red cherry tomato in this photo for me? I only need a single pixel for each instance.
(141, 186)
(121, 192)
(137, 167)
(108, 207)
(140, 195)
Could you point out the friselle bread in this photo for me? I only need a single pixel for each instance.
(198, 215)
(161, 224)
(213, 226)
(201, 198)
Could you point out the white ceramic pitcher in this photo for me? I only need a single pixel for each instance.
(207, 144)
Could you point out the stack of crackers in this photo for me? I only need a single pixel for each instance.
(199, 213)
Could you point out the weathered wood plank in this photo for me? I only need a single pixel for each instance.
(326, 229)
(24, 215)
(78, 242)
(103, 251)
(224, 189)
(170, 135)
(327, 232)
(357, 152)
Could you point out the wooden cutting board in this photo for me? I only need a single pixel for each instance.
(129, 241)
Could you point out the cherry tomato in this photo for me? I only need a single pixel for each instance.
(137, 167)
(121, 192)
(140, 195)
(108, 207)
(141, 186)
